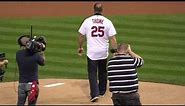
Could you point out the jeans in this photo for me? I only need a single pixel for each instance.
(120, 99)
(23, 92)
(97, 68)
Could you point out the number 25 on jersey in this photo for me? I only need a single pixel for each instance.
(97, 31)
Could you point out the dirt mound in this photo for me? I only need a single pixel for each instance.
(73, 91)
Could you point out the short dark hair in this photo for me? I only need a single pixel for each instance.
(98, 8)
(19, 39)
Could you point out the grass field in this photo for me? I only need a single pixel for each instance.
(159, 39)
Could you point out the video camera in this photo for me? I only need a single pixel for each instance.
(36, 44)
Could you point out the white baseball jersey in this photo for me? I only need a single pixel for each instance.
(97, 30)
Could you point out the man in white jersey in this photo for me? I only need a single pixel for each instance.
(99, 31)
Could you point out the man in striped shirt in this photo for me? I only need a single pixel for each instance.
(122, 76)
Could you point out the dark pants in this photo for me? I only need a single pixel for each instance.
(120, 99)
(97, 68)
(23, 92)
(1, 75)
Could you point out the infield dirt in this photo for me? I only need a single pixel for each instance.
(74, 91)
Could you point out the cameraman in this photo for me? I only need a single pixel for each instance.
(3, 63)
(28, 72)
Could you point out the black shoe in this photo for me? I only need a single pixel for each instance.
(94, 99)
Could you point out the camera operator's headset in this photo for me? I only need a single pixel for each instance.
(19, 39)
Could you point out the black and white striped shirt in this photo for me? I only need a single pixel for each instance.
(122, 73)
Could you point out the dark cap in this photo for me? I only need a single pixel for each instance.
(2, 55)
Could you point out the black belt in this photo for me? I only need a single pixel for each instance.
(122, 92)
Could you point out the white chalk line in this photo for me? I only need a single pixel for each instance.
(53, 85)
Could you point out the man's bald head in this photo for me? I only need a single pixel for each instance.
(122, 47)
(98, 8)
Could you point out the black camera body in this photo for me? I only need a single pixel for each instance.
(36, 44)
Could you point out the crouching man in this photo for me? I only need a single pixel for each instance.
(122, 76)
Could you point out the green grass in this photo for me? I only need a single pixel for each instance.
(159, 39)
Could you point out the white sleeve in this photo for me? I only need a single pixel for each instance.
(82, 29)
(112, 30)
